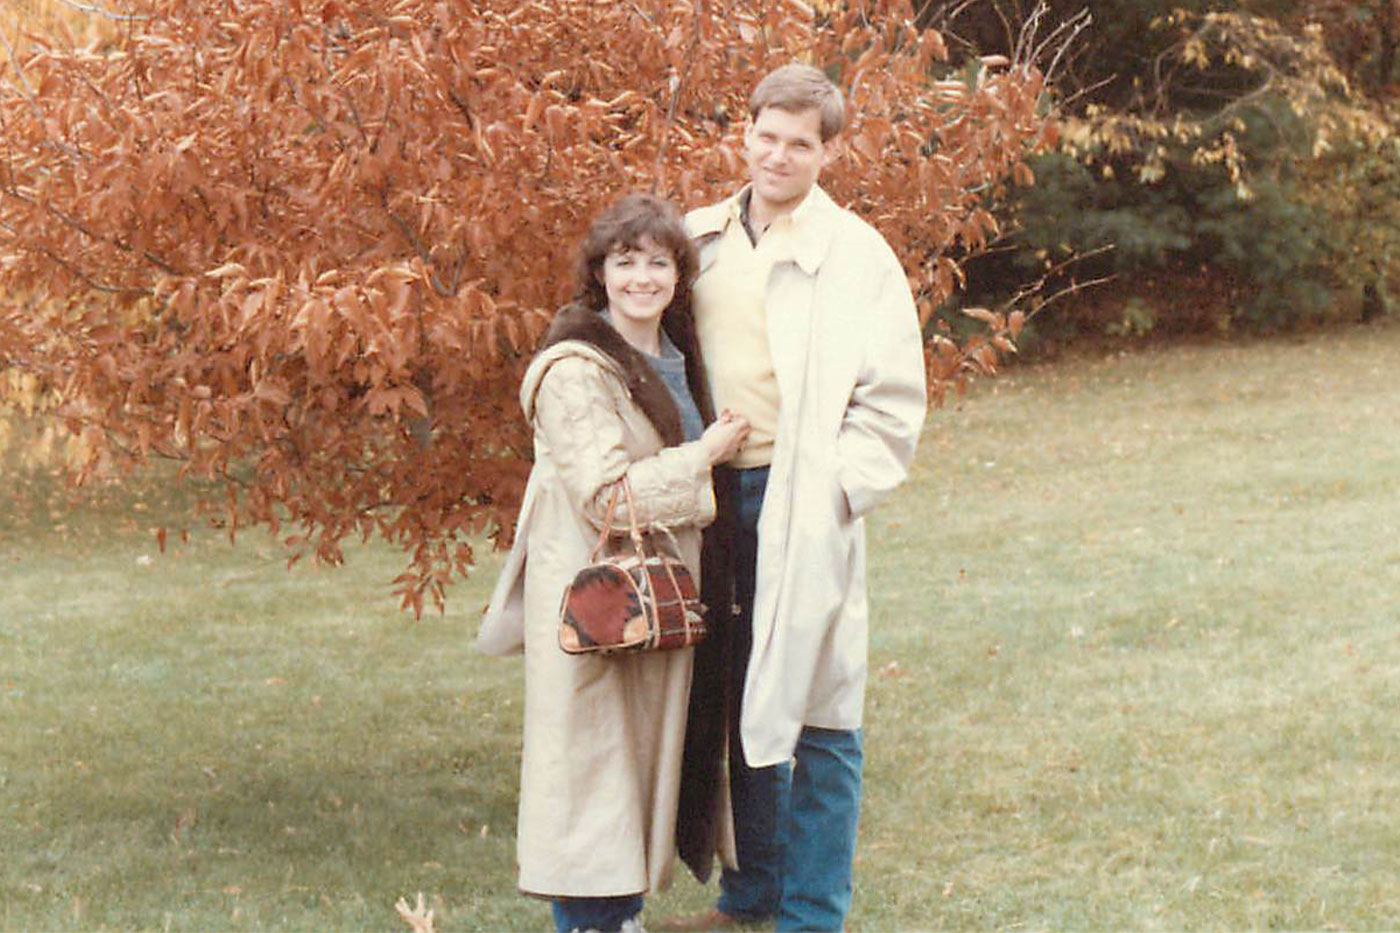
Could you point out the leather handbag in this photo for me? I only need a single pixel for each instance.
(637, 600)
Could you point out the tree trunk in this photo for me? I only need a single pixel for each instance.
(1390, 44)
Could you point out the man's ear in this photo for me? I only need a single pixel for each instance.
(832, 150)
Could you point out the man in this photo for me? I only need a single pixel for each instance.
(808, 330)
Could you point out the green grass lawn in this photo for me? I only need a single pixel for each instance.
(1135, 664)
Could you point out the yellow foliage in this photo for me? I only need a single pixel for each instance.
(24, 401)
(55, 16)
(1296, 72)
(20, 390)
(1194, 53)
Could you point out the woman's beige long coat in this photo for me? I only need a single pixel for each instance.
(603, 735)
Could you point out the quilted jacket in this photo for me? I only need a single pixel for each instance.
(603, 735)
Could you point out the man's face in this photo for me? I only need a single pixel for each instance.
(785, 154)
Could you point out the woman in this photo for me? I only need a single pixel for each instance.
(616, 391)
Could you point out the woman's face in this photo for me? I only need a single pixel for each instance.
(640, 281)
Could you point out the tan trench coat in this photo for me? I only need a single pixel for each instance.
(848, 356)
(603, 735)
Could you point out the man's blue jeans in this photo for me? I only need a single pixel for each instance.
(794, 823)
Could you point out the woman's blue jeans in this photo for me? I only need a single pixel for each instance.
(794, 823)
(595, 913)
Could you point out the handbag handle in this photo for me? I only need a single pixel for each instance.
(666, 565)
(623, 488)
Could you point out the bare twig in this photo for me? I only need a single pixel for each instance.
(1032, 290)
(942, 20)
(642, 13)
(101, 11)
(19, 72)
(1063, 37)
(939, 16)
(1066, 102)
(1067, 291)
(1006, 24)
(159, 263)
(455, 98)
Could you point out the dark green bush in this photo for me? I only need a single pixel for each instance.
(1235, 177)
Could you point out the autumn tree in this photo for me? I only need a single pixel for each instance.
(305, 248)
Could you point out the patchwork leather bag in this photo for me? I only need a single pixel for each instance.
(641, 599)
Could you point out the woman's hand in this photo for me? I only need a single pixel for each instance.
(723, 439)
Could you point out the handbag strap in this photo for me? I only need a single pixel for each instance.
(623, 489)
(634, 531)
(606, 531)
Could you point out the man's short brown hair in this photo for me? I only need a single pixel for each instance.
(798, 87)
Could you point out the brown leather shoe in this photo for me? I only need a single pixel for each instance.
(707, 921)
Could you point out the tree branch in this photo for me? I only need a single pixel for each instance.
(92, 283)
(676, 91)
(27, 93)
(412, 237)
(77, 225)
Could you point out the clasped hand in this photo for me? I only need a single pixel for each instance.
(725, 437)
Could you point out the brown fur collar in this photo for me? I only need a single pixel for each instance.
(576, 322)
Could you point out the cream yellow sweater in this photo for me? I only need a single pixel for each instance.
(732, 325)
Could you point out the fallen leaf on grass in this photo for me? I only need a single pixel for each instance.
(893, 670)
(419, 917)
(185, 822)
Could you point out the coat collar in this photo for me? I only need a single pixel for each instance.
(577, 325)
(813, 225)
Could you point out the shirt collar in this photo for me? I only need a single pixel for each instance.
(810, 225)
